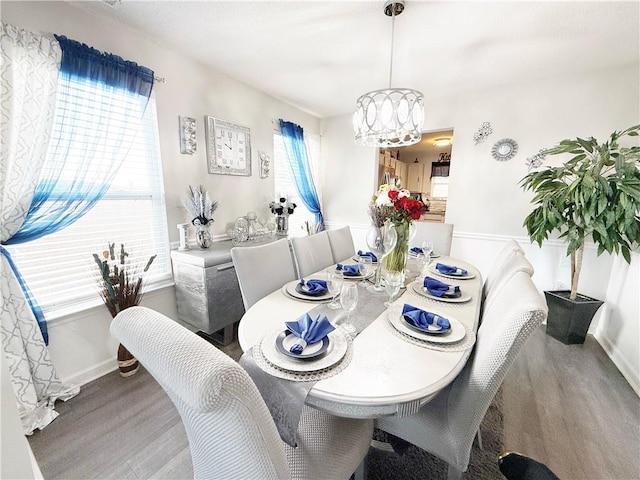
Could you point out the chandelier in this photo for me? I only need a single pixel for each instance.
(391, 117)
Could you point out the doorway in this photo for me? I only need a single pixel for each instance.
(423, 169)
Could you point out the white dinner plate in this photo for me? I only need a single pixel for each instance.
(468, 276)
(337, 349)
(291, 290)
(288, 339)
(419, 288)
(457, 333)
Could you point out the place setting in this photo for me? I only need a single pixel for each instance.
(359, 271)
(434, 289)
(451, 271)
(311, 290)
(362, 254)
(431, 329)
(309, 348)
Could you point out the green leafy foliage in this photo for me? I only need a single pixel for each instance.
(595, 194)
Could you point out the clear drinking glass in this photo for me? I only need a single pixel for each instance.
(422, 261)
(349, 301)
(392, 283)
(335, 280)
(366, 267)
(427, 249)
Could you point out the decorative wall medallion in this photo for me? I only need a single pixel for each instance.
(188, 143)
(536, 160)
(483, 132)
(504, 149)
(265, 162)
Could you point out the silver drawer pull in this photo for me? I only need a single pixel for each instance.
(225, 266)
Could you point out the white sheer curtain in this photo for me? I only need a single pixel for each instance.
(28, 73)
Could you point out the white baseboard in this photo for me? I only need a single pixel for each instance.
(89, 374)
(620, 361)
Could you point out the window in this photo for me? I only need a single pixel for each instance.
(284, 186)
(59, 268)
(439, 187)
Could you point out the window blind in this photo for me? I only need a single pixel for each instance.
(59, 268)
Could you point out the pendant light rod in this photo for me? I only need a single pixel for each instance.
(392, 9)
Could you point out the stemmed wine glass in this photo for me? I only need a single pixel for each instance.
(349, 300)
(427, 248)
(392, 283)
(381, 241)
(335, 280)
(366, 266)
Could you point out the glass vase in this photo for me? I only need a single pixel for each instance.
(282, 223)
(203, 236)
(396, 261)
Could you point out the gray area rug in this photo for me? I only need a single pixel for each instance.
(416, 464)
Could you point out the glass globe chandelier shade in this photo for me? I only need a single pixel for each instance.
(391, 117)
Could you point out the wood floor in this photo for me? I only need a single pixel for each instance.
(566, 406)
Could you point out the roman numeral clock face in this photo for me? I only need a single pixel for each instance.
(230, 151)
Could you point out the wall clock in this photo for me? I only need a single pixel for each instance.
(228, 147)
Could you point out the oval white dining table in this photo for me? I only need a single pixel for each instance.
(387, 374)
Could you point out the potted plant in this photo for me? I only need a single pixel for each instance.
(593, 195)
(120, 281)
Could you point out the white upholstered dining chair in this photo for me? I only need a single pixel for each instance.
(311, 253)
(341, 243)
(262, 269)
(514, 264)
(501, 265)
(447, 425)
(230, 430)
(441, 234)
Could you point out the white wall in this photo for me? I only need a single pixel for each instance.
(80, 344)
(485, 203)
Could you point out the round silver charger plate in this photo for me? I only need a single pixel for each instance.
(457, 333)
(467, 343)
(468, 276)
(421, 290)
(289, 289)
(310, 376)
(337, 349)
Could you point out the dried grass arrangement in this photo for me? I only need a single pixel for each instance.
(121, 280)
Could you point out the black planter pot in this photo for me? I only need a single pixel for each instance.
(569, 320)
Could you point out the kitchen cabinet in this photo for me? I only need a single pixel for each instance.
(414, 177)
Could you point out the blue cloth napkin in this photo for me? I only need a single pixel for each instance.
(416, 250)
(450, 269)
(421, 319)
(348, 269)
(368, 254)
(440, 289)
(308, 331)
(314, 285)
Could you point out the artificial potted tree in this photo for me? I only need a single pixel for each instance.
(593, 195)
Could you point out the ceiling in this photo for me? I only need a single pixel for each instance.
(320, 56)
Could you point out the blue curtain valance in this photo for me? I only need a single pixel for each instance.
(86, 62)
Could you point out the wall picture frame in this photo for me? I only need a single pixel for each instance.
(228, 147)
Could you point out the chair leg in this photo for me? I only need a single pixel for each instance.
(361, 471)
(479, 435)
(453, 473)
